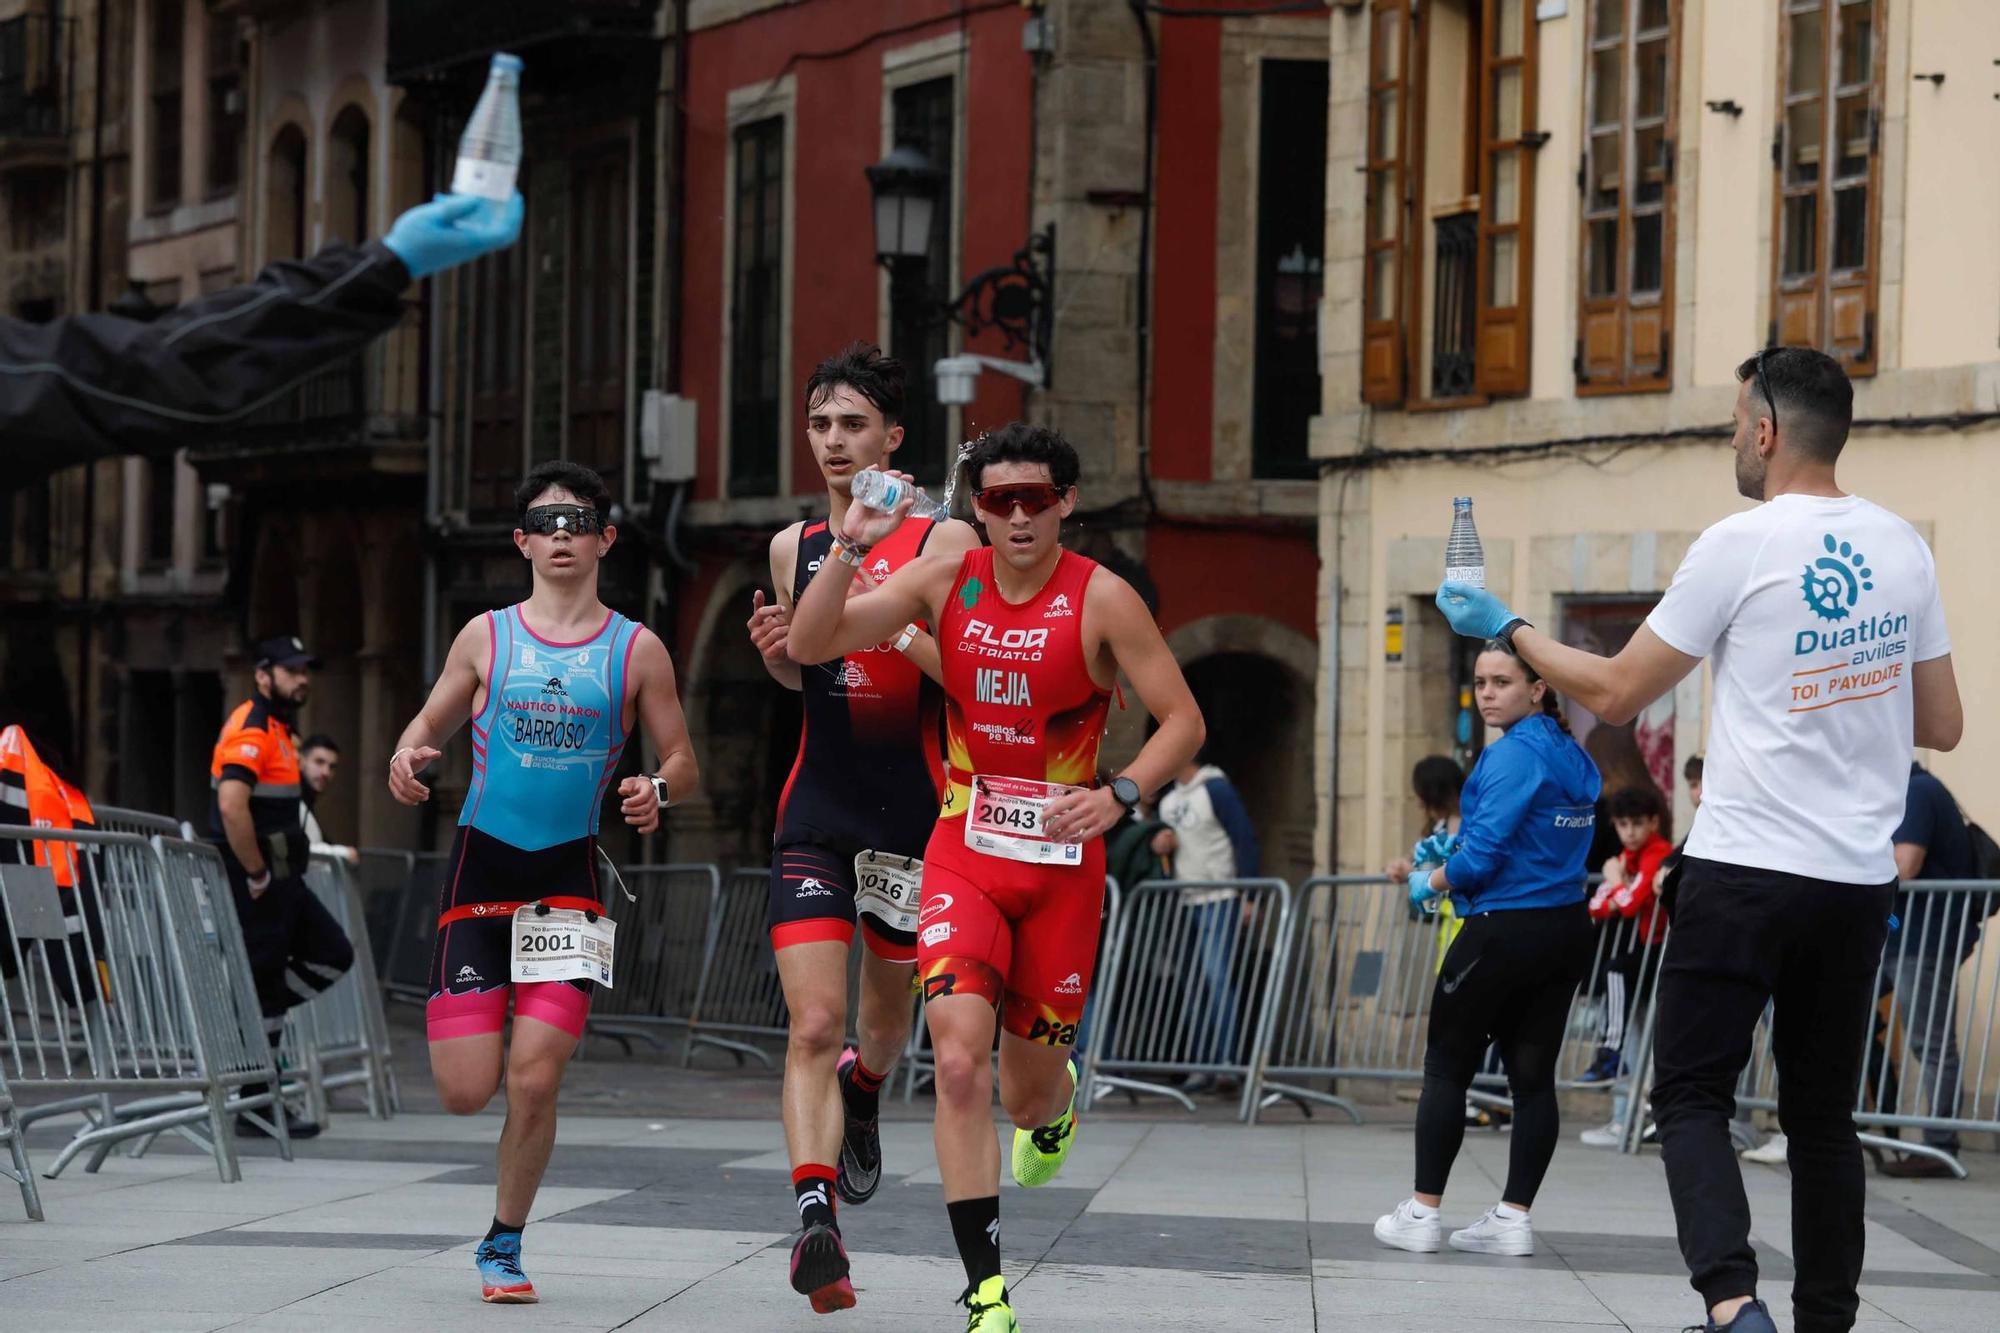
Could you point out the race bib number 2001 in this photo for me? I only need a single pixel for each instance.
(1006, 820)
(562, 945)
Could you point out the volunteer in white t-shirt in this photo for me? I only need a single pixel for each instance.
(1830, 658)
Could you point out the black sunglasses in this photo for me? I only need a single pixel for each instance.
(545, 520)
(1764, 387)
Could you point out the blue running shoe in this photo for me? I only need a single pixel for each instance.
(501, 1281)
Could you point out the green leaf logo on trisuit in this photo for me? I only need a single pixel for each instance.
(968, 595)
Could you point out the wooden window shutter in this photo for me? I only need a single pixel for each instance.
(1828, 160)
(1626, 179)
(1384, 335)
(1506, 194)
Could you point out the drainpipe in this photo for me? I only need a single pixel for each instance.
(1143, 317)
(85, 732)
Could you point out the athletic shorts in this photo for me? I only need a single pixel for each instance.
(1021, 936)
(812, 899)
(471, 961)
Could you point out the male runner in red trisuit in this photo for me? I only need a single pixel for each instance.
(857, 810)
(1033, 640)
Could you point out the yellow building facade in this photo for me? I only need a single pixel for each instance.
(1554, 229)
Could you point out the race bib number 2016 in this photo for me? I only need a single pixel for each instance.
(562, 945)
(1006, 820)
(888, 889)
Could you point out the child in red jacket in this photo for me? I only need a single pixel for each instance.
(1628, 893)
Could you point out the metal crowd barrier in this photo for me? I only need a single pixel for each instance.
(1192, 984)
(406, 968)
(343, 1025)
(17, 1168)
(663, 941)
(737, 995)
(1931, 1047)
(132, 982)
(117, 819)
(382, 878)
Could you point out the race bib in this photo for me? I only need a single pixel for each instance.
(888, 888)
(562, 945)
(1006, 820)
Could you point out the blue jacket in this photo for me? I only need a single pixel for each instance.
(1528, 811)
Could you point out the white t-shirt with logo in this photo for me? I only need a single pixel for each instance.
(1813, 611)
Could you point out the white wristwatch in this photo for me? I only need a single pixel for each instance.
(660, 790)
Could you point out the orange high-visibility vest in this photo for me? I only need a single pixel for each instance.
(34, 794)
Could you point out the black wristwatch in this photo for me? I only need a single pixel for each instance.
(1126, 792)
(1506, 634)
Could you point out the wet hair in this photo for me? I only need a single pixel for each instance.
(1022, 442)
(1551, 705)
(863, 368)
(1437, 780)
(1637, 803)
(1691, 770)
(1815, 398)
(575, 478)
(319, 740)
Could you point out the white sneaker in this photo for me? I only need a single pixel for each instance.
(1772, 1153)
(1494, 1234)
(1404, 1230)
(1610, 1134)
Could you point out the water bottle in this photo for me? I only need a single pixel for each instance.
(489, 153)
(879, 490)
(1464, 561)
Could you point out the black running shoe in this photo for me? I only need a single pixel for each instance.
(860, 1170)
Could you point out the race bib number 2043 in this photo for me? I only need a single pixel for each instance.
(1006, 820)
(562, 945)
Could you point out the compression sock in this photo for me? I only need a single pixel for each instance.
(975, 1225)
(862, 1090)
(813, 1184)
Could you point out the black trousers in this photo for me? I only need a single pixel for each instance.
(1507, 980)
(1811, 949)
(296, 947)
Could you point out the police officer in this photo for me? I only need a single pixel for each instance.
(296, 947)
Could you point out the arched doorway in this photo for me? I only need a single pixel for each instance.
(285, 195)
(347, 177)
(1252, 678)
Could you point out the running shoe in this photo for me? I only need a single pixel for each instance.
(860, 1170)
(1606, 1067)
(1752, 1318)
(819, 1269)
(989, 1311)
(1494, 1234)
(1040, 1153)
(1771, 1153)
(501, 1281)
(1404, 1230)
(1610, 1134)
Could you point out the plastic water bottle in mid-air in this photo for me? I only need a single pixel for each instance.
(489, 152)
(879, 490)
(1464, 561)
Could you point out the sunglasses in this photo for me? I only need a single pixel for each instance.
(544, 520)
(1033, 497)
(1764, 387)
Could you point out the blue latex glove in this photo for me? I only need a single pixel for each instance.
(453, 229)
(1473, 612)
(1422, 896)
(1434, 850)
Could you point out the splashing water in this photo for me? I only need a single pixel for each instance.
(951, 477)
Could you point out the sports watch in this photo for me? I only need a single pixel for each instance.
(660, 789)
(1126, 791)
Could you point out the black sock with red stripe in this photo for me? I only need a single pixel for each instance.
(861, 1090)
(813, 1184)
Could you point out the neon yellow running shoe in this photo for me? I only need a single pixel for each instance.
(1040, 1153)
(990, 1312)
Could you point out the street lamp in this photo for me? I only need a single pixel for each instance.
(1012, 297)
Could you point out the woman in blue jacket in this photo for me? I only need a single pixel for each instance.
(1516, 874)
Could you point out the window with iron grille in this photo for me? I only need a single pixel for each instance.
(925, 117)
(756, 310)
